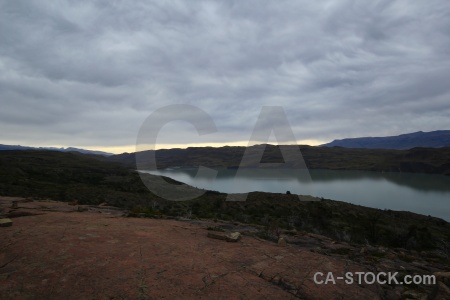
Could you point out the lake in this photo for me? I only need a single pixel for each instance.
(420, 193)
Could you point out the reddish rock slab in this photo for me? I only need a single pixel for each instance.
(5, 222)
(59, 255)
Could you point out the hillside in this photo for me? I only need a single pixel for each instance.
(416, 160)
(84, 179)
(433, 139)
(68, 176)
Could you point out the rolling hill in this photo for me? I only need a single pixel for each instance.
(416, 160)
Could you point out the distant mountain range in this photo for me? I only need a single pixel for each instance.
(433, 139)
(68, 149)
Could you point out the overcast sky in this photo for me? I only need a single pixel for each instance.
(87, 73)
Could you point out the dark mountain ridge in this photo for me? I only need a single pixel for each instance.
(432, 139)
(68, 149)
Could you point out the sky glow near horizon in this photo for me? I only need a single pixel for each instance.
(87, 73)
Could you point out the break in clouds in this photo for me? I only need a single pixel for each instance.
(88, 73)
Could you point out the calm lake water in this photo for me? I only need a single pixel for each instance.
(420, 193)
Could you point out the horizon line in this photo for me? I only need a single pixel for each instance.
(132, 148)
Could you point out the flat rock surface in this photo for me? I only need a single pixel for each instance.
(91, 255)
(4, 222)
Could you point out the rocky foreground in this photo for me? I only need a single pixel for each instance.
(54, 250)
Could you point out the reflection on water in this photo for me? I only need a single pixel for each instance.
(420, 193)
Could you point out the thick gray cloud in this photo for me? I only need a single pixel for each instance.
(87, 73)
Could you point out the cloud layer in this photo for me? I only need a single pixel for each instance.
(86, 73)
